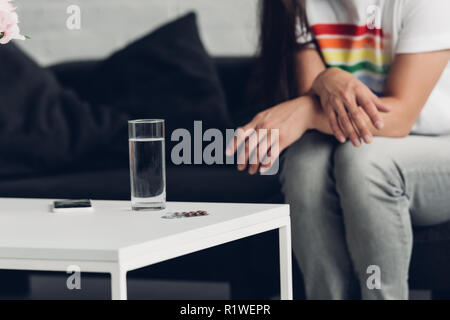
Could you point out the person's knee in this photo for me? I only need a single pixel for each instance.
(353, 164)
(358, 171)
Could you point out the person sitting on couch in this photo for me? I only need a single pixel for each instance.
(362, 71)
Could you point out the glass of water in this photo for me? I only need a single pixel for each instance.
(147, 164)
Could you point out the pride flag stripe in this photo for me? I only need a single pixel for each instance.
(356, 56)
(364, 65)
(345, 29)
(350, 44)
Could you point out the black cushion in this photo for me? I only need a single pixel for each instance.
(165, 75)
(44, 126)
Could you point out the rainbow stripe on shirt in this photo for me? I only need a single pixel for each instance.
(356, 49)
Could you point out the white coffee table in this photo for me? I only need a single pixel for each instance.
(115, 240)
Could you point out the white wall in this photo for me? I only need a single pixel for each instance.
(228, 27)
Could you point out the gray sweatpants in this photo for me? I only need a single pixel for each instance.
(352, 210)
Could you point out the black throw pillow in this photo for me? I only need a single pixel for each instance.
(165, 75)
(46, 127)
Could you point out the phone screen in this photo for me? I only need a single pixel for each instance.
(68, 204)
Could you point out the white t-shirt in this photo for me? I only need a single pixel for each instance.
(363, 36)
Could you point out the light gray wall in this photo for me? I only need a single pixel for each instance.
(228, 27)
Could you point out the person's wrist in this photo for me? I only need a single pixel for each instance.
(318, 83)
(309, 105)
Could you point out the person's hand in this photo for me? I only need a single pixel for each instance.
(261, 141)
(341, 95)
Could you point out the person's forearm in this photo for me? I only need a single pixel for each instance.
(397, 122)
(309, 65)
(315, 114)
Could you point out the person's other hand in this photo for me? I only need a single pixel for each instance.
(270, 132)
(341, 95)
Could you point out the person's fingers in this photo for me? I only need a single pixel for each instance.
(243, 156)
(273, 153)
(369, 107)
(253, 167)
(267, 164)
(263, 152)
(255, 149)
(358, 138)
(361, 124)
(232, 146)
(358, 119)
(240, 136)
(337, 132)
(258, 152)
(236, 142)
(346, 123)
(381, 106)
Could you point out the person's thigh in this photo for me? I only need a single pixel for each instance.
(425, 165)
(306, 170)
(417, 166)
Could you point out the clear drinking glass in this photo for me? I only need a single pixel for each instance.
(147, 164)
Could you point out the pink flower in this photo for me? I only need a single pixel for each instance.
(9, 20)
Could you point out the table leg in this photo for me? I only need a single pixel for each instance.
(285, 262)
(119, 284)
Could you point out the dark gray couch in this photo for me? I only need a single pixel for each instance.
(250, 265)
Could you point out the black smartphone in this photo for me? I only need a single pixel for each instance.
(72, 206)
